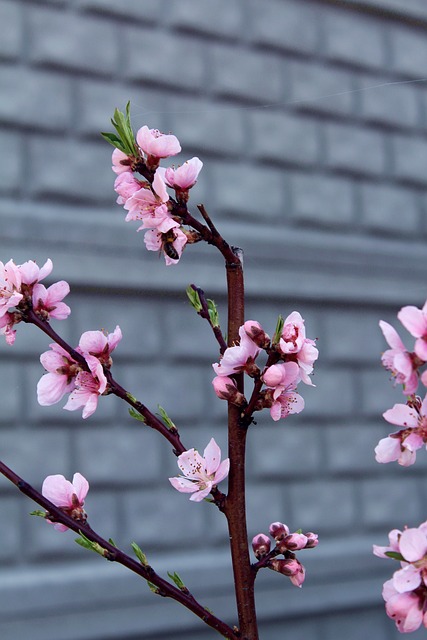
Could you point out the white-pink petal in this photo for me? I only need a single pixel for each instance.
(413, 544)
(401, 415)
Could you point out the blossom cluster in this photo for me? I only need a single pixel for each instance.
(200, 473)
(293, 354)
(286, 544)
(405, 594)
(405, 367)
(20, 291)
(66, 375)
(149, 202)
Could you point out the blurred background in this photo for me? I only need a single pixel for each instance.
(311, 119)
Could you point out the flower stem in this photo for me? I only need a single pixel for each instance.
(114, 554)
(235, 507)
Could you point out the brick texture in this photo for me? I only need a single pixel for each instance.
(313, 136)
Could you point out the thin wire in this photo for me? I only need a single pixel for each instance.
(276, 104)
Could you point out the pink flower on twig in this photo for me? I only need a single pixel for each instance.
(200, 474)
(157, 145)
(69, 497)
(402, 445)
(398, 361)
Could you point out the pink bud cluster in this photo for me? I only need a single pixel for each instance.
(68, 496)
(286, 544)
(21, 291)
(150, 203)
(200, 474)
(294, 355)
(405, 594)
(66, 375)
(405, 367)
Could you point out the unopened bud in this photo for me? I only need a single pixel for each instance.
(292, 542)
(288, 567)
(312, 540)
(225, 388)
(261, 545)
(257, 334)
(278, 530)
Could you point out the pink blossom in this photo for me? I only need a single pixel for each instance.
(401, 446)
(200, 474)
(88, 388)
(398, 361)
(286, 403)
(183, 177)
(155, 240)
(10, 286)
(238, 358)
(125, 185)
(31, 273)
(60, 379)
(156, 144)
(7, 322)
(121, 162)
(404, 608)
(69, 497)
(415, 321)
(100, 345)
(281, 376)
(47, 303)
(293, 333)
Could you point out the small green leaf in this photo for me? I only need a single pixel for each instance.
(111, 541)
(213, 313)
(279, 329)
(164, 416)
(153, 587)
(84, 542)
(395, 555)
(114, 140)
(298, 531)
(177, 580)
(41, 514)
(194, 298)
(136, 415)
(139, 554)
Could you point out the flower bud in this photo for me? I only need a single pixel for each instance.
(288, 567)
(261, 545)
(225, 388)
(292, 542)
(278, 530)
(312, 540)
(256, 333)
(272, 376)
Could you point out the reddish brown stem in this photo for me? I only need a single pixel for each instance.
(114, 554)
(235, 507)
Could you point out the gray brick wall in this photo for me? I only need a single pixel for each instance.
(311, 119)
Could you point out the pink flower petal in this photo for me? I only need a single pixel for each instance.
(401, 415)
(413, 544)
(413, 320)
(406, 579)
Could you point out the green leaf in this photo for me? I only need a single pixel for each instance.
(279, 329)
(153, 587)
(41, 514)
(213, 313)
(136, 415)
(114, 140)
(84, 542)
(168, 422)
(194, 298)
(177, 580)
(125, 139)
(111, 541)
(298, 531)
(139, 554)
(395, 555)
